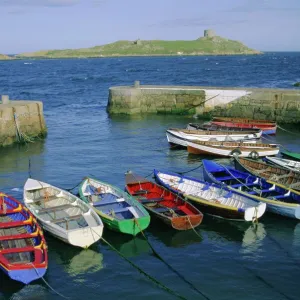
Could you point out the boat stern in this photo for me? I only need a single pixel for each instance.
(255, 212)
(186, 222)
(27, 275)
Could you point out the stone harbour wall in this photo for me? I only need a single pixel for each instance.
(282, 105)
(21, 121)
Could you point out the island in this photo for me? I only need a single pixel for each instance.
(5, 57)
(209, 44)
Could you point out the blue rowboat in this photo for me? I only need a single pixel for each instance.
(279, 198)
(212, 199)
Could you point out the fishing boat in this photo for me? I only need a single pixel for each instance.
(279, 198)
(291, 155)
(211, 198)
(259, 168)
(227, 149)
(119, 211)
(267, 127)
(23, 249)
(63, 214)
(182, 136)
(214, 127)
(284, 163)
(162, 203)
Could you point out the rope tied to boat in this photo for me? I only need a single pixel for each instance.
(255, 218)
(157, 255)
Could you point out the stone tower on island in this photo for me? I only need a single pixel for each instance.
(209, 33)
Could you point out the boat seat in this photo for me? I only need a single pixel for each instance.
(241, 184)
(66, 219)
(281, 197)
(139, 192)
(161, 209)
(227, 178)
(206, 187)
(151, 200)
(117, 210)
(107, 199)
(56, 208)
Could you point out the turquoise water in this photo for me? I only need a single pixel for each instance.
(229, 260)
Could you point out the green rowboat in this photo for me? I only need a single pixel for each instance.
(292, 155)
(119, 211)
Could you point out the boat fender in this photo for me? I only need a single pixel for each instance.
(254, 154)
(236, 152)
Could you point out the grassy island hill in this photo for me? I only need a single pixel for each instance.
(207, 45)
(4, 57)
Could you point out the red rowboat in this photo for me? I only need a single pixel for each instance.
(162, 203)
(23, 250)
(268, 127)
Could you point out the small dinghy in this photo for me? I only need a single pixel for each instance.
(261, 169)
(279, 199)
(227, 149)
(119, 211)
(267, 127)
(211, 198)
(162, 203)
(213, 127)
(180, 137)
(62, 214)
(23, 249)
(284, 163)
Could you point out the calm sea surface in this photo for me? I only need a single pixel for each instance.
(231, 260)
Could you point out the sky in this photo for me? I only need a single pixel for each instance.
(32, 25)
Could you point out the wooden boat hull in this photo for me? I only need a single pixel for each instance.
(284, 163)
(228, 149)
(132, 225)
(289, 206)
(74, 222)
(261, 169)
(170, 208)
(211, 198)
(267, 129)
(292, 155)
(214, 127)
(23, 249)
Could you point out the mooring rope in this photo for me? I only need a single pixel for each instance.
(281, 128)
(45, 281)
(181, 173)
(143, 272)
(170, 267)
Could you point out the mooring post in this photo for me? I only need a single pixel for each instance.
(137, 84)
(5, 99)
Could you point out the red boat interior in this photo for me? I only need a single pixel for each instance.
(159, 199)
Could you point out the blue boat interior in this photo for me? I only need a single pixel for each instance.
(247, 182)
(111, 205)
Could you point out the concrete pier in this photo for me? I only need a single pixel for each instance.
(281, 105)
(20, 121)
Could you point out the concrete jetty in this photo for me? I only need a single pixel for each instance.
(281, 105)
(20, 121)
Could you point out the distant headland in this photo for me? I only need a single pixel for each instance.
(209, 44)
(4, 57)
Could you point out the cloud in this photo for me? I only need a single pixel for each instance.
(43, 3)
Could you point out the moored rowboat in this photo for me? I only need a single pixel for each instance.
(211, 198)
(284, 163)
(119, 211)
(62, 214)
(261, 169)
(23, 249)
(182, 136)
(279, 199)
(162, 203)
(213, 127)
(227, 149)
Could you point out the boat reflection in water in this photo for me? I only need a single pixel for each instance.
(253, 238)
(173, 238)
(32, 291)
(128, 246)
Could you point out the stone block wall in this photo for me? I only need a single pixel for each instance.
(21, 121)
